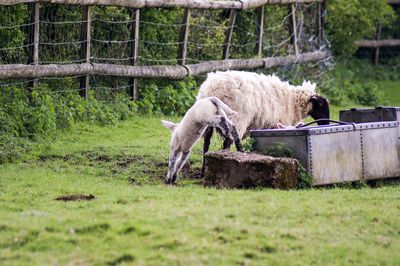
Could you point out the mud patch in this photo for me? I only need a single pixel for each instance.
(187, 171)
(93, 158)
(142, 169)
(76, 197)
(53, 157)
(122, 259)
(191, 172)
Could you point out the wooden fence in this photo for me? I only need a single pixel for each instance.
(33, 70)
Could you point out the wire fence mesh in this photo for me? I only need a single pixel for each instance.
(111, 40)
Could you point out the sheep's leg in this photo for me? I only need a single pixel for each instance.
(182, 160)
(207, 138)
(235, 136)
(171, 175)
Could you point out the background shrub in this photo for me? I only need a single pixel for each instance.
(25, 116)
(351, 20)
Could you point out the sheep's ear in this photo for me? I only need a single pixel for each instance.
(318, 99)
(314, 98)
(168, 124)
(309, 85)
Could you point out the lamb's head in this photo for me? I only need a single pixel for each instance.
(169, 125)
(319, 108)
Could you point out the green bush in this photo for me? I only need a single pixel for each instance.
(351, 20)
(347, 91)
(24, 116)
(166, 97)
(353, 82)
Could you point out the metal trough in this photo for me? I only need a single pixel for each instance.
(365, 115)
(341, 152)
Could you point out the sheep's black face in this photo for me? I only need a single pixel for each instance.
(320, 109)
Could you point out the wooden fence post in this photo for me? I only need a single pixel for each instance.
(377, 49)
(228, 34)
(133, 91)
(85, 47)
(318, 23)
(260, 30)
(183, 37)
(321, 13)
(293, 28)
(33, 38)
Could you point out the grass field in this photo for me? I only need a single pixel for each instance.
(135, 219)
(391, 91)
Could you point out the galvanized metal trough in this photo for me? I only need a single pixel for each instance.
(346, 151)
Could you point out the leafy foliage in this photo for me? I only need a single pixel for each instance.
(248, 144)
(347, 83)
(12, 37)
(166, 97)
(280, 149)
(351, 20)
(25, 116)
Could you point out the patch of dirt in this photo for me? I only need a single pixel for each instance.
(191, 173)
(152, 170)
(76, 197)
(122, 259)
(127, 161)
(44, 158)
(161, 164)
(187, 172)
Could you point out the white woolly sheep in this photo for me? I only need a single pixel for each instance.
(262, 101)
(207, 112)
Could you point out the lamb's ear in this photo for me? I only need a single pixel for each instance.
(168, 124)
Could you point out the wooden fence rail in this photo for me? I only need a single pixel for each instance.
(378, 43)
(20, 71)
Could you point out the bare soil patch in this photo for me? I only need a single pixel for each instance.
(76, 197)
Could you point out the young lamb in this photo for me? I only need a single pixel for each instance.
(262, 101)
(206, 112)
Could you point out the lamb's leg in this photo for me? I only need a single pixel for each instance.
(182, 160)
(171, 175)
(207, 138)
(224, 130)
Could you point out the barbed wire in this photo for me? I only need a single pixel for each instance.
(18, 26)
(62, 43)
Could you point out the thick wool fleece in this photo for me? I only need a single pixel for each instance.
(260, 101)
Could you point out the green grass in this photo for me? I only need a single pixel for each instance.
(135, 219)
(391, 90)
